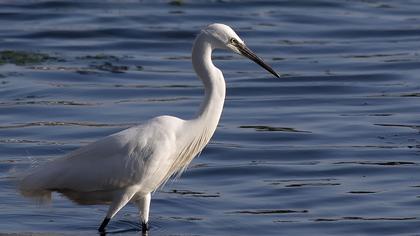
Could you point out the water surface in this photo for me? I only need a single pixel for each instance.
(331, 148)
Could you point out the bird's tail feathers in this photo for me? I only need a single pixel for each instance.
(35, 184)
(39, 196)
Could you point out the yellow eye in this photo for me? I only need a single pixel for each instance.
(233, 41)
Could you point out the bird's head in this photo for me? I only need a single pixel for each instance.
(225, 38)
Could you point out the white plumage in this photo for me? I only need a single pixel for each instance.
(131, 164)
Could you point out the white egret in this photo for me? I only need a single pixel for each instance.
(131, 164)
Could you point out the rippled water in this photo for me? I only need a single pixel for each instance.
(330, 148)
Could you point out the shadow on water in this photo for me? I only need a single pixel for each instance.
(137, 231)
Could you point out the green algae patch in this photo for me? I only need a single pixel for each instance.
(177, 3)
(22, 58)
(108, 66)
(100, 56)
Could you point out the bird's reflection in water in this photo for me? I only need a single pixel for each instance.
(141, 232)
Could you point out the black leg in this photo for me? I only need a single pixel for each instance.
(144, 227)
(104, 224)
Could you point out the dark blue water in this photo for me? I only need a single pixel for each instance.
(331, 148)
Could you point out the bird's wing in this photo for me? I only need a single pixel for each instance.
(123, 159)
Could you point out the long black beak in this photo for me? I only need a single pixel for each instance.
(251, 55)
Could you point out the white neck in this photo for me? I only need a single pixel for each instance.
(201, 128)
(214, 84)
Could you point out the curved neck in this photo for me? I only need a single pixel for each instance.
(212, 78)
(205, 123)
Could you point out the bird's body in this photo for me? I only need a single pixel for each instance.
(131, 164)
(133, 157)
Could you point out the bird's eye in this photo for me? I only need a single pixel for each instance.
(233, 41)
